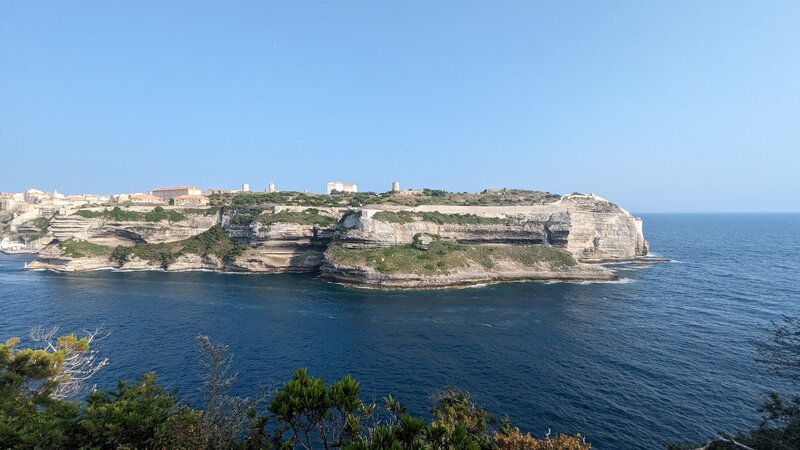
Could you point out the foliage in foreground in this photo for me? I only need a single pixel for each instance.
(305, 413)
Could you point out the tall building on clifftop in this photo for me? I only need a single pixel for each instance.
(338, 186)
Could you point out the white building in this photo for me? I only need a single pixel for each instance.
(8, 244)
(338, 186)
(271, 187)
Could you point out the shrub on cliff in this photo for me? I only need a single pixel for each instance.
(212, 242)
(79, 249)
(117, 214)
(441, 218)
(395, 217)
(158, 214)
(309, 216)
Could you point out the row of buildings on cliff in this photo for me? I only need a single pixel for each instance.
(179, 196)
(24, 216)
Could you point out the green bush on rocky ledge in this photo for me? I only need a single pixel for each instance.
(119, 215)
(212, 242)
(81, 249)
(440, 257)
(308, 217)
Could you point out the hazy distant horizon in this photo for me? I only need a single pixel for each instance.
(673, 107)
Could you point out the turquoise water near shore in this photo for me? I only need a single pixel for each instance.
(665, 355)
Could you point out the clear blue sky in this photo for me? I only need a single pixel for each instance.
(657, 105)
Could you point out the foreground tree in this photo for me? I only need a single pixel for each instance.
(513, 439)
(140, 415)
(305, 413)
(33, 384)
(225, 417)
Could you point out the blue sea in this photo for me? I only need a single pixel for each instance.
(666, 355)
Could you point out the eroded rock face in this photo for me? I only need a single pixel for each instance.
(591, 229)
(601, 231)
(53, 258)
(196, 262)
(274, 262)
(587, 227)
(279, 247)
(370, 233)
(503, 271)
(112, 233)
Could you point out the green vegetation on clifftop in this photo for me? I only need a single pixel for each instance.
(296, 199)
(425, 197)
(119, 215)
(439, 257)
(308, 217)
(440, 218)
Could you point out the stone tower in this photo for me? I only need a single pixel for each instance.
(271, 187)
(396, 186)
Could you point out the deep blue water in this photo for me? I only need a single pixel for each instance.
(665, 356)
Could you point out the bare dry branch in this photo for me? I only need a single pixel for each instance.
(77, 366)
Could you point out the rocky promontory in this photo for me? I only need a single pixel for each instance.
(382, 241)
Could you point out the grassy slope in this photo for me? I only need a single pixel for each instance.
(83, 249)
(307, 217)
(439, 258)
(215, 242)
